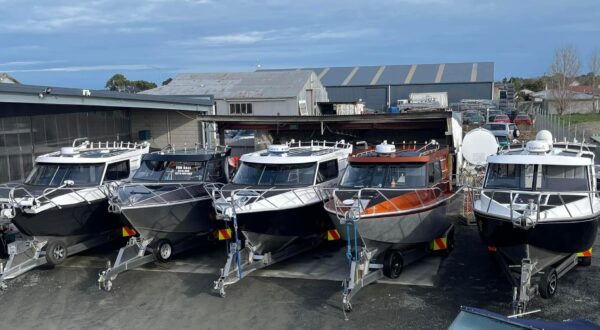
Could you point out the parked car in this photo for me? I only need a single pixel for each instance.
(501, 119)
(502, 139)
(472, 118)
(523, 119)
(508, 129)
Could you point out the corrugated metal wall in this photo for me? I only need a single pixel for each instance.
(375, 97)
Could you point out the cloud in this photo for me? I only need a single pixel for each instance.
(109, 67)
(27, 63)
(238, 38)
(345, 34)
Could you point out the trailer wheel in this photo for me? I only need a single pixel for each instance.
(56, 252)
(393, 264)
(584, 261)
(548, 283)
(163, 250)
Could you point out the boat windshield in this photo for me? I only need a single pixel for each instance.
(548, 178)
(384, 176)
(162, 170)
(254, 174)
(54, 175)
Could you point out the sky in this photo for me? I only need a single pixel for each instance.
(82, 43)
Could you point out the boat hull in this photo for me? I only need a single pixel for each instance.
(561, 237)
(400, 230)
(175, 222)
(274, 229)
(81, 219)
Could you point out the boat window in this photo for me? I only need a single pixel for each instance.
(563, 178)
(327, 171)
(56, 174)
(275, 174)
(117, 171)
(434, 172)
(214, 171)
(384, 176)
(510, 176)
(152, 170)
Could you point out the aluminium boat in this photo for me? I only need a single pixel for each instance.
(166, 202)
(538, 212)
(275, 202)
(62, 207)
(391, 205)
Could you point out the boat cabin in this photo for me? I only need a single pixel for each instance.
(390, 166)
(293, 165)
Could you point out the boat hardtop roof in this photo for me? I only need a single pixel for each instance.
(543, 151)
(95, 152)
(299, 152)
(407, 152)
(196, 154)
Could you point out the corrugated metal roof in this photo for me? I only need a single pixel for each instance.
(237, 85)
(403, 74)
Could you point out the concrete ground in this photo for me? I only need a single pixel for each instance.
(179, 296)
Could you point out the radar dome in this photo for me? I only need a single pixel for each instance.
(385, 148)
(545, 136)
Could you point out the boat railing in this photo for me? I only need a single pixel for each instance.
(323, 144)
(237, 199)
(155, 197)
(20, 197)
(532, 208)
(356, 206)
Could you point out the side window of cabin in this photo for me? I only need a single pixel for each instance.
(327, 171)
(434, 172)
(215, 171)
(117, 171)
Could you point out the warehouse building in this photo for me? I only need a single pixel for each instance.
(381, 87)
(285, 93)
(36, 119)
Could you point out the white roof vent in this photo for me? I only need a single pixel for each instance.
(544, 136)
(68, 151)
(537, 146)
(385, 148)
(278, 148)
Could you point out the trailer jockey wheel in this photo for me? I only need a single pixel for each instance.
(548, 283)
(163, 250)
(393, 264)
(56, 252)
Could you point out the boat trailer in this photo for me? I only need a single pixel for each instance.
(534, 271)
(372, 262)
(27, 253)
(242, 256)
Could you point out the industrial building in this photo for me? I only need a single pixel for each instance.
(37, 119)
(285, 93)
(381, 87)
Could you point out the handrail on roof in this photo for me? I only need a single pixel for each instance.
(424, 149)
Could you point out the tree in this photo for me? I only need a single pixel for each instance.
(563, 71)
(119, 83)
(595, 72)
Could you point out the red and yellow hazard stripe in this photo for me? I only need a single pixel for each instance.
(333, 235)
(587, 253)
(127, 232)
(439, 244)
(223, 234)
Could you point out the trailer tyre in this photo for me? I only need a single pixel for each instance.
(393, 264)
(548, 283)
(584, 261)
(56, 252)
(163, 250)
